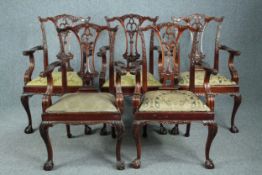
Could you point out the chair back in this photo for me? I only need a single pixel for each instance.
(60, 21)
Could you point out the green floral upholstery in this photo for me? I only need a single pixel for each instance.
(171, 101)
(129, 80)
(84, 102)
(72, 80)
(215, 80)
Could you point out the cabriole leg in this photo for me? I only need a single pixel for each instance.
(162, 130)
(119, 131)
(212, 131)
(237, 102)
(88, 130)
(25, 103)
(136, 133)
(175, 130)
(45, 136)
(188, 126)
(68, 131)
(103, 131)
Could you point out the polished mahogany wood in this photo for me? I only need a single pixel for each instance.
(129, 24)
(168, 35)
(87, 35)
(60, 21)
(202, 21)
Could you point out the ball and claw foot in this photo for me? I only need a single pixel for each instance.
(88, 130)
(174, 131)
(186, 134)
(69, 135)
(209, 164)
(103, 131)
(120, 165)
(48, 166)
(234, 129)
(29, 129)
(136, 163)
(162, 130)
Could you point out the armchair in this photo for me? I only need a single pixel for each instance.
(129, 24)
(88, 105)
(38, 85)
(169, 104)
(219, 84)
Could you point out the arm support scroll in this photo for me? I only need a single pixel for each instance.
(30, 53)
(231, 67)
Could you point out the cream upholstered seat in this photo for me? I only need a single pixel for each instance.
(72, 80)
(215, 80)
(128, 80)
(84, 102)
(171, 101)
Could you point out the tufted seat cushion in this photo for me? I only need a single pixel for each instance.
(215, 80)
(72, 80)
(171, 101)
(129, 80)
(84, 102)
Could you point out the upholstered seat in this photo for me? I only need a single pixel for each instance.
(128, 80)
(215, 80)
(84, 102)
(171, 100)
(72, 80)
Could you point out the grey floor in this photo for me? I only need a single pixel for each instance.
(94, 154)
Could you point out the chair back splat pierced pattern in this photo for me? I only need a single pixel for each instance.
(61, 21)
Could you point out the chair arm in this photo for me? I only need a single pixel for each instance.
(47, 100)
(208, 68)
(32, 50)
(210, 98)
(102, 53)
(30, 53)
(50, 68)
(229, 50)
(231, 66)
(120, 69)
(136, 70)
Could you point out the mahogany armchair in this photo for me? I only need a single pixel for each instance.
(128, 24)
(169, 104)
(88, 105)
(37, 86)
(219, 84)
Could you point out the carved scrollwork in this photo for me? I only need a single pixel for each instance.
(199, 21)
(61, 21)
(130, 23)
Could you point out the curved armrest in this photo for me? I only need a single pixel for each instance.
(229, 50)
(120, 69)
(50, 68)
(136, 70)
(208, 68)
(102, 51)
(32, 50)
(28, 73)
(210, 100)
(47, 100)
(231, 67)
